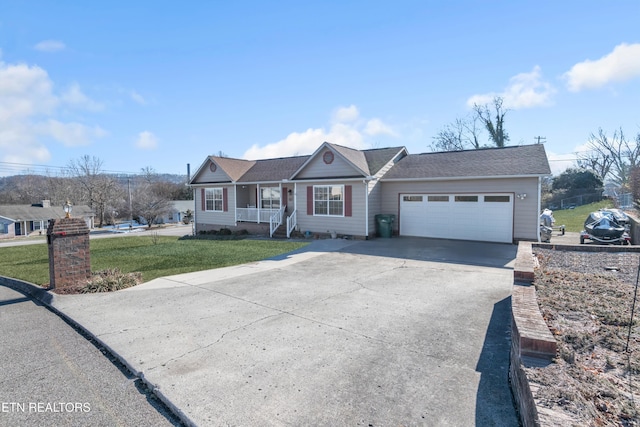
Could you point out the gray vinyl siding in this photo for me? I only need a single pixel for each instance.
(351, 226)
(525, 220)
(207, 176)
(375, 197)
(216, 218)
(317, 168)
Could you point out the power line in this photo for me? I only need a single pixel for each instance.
(36, 169)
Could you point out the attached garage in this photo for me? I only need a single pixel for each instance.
(484, 217)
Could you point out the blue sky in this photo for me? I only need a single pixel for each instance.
(161, 84)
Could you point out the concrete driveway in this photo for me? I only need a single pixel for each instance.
(386, 332)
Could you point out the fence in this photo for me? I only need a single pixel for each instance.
(625, 201)
(583, 199)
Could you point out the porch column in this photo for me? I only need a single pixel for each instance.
(235, 208)
(258, 201)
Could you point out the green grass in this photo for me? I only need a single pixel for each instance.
(573, 219)
(168, 256)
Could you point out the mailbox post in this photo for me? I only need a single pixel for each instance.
(69, 256)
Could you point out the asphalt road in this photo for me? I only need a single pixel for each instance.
(51, 375)
(172, 230)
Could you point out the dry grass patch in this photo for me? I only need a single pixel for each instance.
(586, 299)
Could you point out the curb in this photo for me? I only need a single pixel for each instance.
(48, 299)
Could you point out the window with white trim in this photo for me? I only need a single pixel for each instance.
(270, 197)
(213, 199)
(328, 200)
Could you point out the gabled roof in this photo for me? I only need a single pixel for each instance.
(234, 168)
(524, 160)
(38, 213)
(377, 158)
(273, 169)
(366, 162)
(353, 156)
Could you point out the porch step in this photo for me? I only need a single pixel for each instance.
(281, 232)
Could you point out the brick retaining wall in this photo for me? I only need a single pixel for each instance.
(532, 344)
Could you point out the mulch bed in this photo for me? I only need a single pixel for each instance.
(586, 299)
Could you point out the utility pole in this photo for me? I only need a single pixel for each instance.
(130, 208)
(540, 139)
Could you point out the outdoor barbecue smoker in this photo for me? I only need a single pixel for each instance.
(607, 226)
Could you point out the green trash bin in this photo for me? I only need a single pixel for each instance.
(384, 224)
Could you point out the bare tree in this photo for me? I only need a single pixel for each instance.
(96, 188)
(613, 157)
(462, 134)
(497, 134)
(150, 201)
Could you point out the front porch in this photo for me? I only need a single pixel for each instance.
(265, 204)
(271, 218)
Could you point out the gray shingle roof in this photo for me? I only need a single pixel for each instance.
(489, 162)
(354, 156)
(234, 168)
(273, 169)
(378, 157)
(38, 213)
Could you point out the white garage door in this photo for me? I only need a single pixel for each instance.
(484, 217)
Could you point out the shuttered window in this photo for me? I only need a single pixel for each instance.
(328, 200)
(214, 199)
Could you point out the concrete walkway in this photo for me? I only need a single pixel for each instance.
(385, 332)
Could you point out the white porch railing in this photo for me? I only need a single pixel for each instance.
(255, 214)
(292, 222)
(276, 220)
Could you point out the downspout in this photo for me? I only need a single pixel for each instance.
(195, 212)
(539, 207)
(366, 209)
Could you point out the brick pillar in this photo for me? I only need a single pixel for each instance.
(69, 257)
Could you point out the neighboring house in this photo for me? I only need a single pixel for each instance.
(178, 212)
(489, 194)
(22, 220)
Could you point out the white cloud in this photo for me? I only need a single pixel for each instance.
(28, 106)
(525, 90)
(146, 141)
(618, 66)
(378, 127)
(50, 46)
(138, 98)
(71, 134)
(346, 128)
(74, 97)
(25, 91)
(346, 114)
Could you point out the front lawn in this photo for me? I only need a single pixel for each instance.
(153, 256)
(573, 219)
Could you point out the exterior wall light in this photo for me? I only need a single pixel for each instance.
(67, 209)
